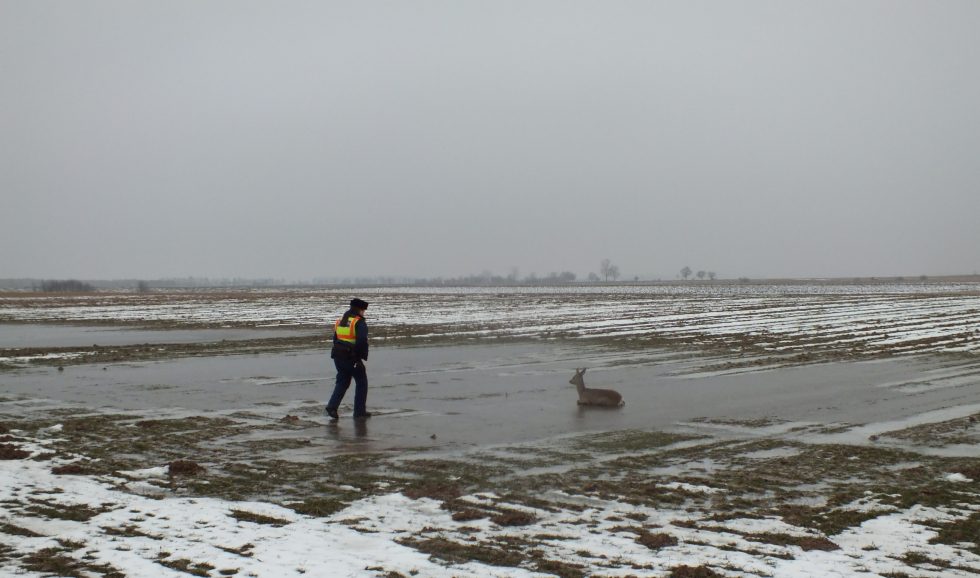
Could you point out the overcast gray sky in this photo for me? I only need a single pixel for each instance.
(328, 139)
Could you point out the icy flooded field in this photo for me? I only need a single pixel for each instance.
(769, 431)
(760, 324)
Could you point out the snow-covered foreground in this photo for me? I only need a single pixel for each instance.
(136, 523)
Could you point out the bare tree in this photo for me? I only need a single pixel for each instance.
(711, 275)
(702, 274)
(607, 269)
(686, 272)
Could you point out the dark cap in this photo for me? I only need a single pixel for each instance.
(356, 303)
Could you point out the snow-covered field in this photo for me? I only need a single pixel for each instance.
(855, 320)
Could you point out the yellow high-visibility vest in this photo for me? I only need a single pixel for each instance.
(347, 333)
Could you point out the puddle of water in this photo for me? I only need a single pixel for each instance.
(771, 454)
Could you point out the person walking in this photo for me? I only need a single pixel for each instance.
(349, 352)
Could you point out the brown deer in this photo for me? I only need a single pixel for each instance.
(601, 397)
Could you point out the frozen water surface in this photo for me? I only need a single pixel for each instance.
(484, 394)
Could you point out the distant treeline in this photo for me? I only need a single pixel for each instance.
(66, 286)
(466, 280)
(43, 285)
(482, 279)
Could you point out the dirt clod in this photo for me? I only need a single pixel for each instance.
(513, 518)
(185, 468)
(656, 541)
(12, 452)
(69, 470)
(693, 572)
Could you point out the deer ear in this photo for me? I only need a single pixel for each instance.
(583, 370)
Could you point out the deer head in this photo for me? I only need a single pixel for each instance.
(578, 380)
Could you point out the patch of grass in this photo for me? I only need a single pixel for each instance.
(93, 423)
(652, 493)
(693, 572)
(319, 507)
(560, 569)
(129, 531)
(275, 445)
(966, 530)
(243, 516)
(56, 562)
(929, 495)
(244, 550)
(469, 514)
(435, 489)
(71, 544)
(733, 514)
(73, 512)
(14, 530)
(628, 441)
(513, 518)
(185, 468)
(954, 431)
(12, 452)
(749, 423)
(530, 501)
(74, 469)
(830, 521)
(53, 561)
(915, 558)
(807, 543)
(969, 467)
(655, 541)
(187, 566)
(458, 553)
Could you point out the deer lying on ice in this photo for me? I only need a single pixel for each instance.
(588, 396)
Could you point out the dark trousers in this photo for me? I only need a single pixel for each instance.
(347, 370)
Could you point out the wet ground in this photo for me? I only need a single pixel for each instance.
(467, 395)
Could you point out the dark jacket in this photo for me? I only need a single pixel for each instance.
(343, 350)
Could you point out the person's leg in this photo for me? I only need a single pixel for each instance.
(360, 390)
(345, 370)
